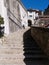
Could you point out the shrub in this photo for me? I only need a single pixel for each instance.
(1, 20)
(1, 28)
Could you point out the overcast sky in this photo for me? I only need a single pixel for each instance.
(35, 4)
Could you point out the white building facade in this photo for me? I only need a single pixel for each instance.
(32, 16)
(3, 13)
(9, 10)
(16, 15)
(23, 15)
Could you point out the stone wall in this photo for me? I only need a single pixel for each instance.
(41, 36)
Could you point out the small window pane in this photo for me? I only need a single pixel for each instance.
(30, 15)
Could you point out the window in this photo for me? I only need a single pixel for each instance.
(30, 15)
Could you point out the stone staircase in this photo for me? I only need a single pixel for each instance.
(19, 48)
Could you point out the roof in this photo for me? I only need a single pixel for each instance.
(34, 10)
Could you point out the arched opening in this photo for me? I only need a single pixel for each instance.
(29, 22)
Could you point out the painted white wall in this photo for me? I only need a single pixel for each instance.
(3, 13)
(34, 15)
(31, 18)
(23, 14)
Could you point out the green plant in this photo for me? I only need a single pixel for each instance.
(1, 20)
(1, 28)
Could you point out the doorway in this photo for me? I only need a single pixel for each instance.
(29, 22)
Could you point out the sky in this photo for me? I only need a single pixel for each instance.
(36, 4)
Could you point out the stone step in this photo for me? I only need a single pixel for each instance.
(35, 55)
(37, 62)
(13, 55)
(12, 62)
(10, 46)
(20, 55)
(20, 49)
(14, 42)
(30, 44)
(31, 48)
(11, 51)
(24, 62)
(27, 63)
(18, 45)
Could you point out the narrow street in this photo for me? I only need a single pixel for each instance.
(24, 23)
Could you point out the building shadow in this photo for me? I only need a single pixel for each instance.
(32, 52)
